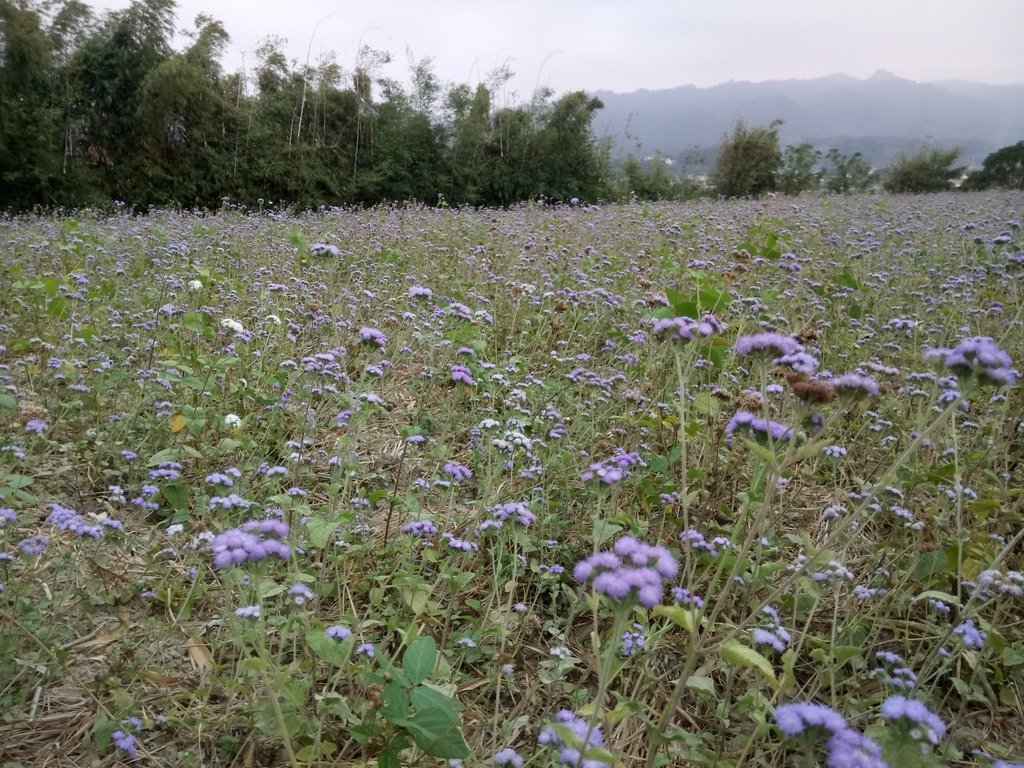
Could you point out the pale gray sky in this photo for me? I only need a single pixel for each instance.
(622, 46)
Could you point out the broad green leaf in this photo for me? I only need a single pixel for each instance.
(15, 482)
(329, 649)
(176, 494)
(167, 454)
(930, 564)
(683, 617)
(320, 531)
(736, 653)
(8, 402)
(435, 725)
(59, 308)
(701, 683)
(419, 659)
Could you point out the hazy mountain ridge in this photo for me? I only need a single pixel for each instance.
(880, 116)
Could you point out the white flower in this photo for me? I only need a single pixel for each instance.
(195, 285)
(274, 319)
(232, 421)
(233, 325)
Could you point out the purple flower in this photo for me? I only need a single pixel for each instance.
(248, 612)
(372, 336)
(980, 356)
(255, 540)
(33, 545)
(775, 344)
(125, 742)
(972, 636)
(633, 568)
(514, 511)
(463, 374)
(338, 632)
(855, 385)
(850, 749)
(7, 515)
(38, 426)
(65, 519)
(757, 427)
(675, 328)
(900, 707)
(508, 756)
(367, 650)
(584, 737)
(457, 471)
(300, 593)
(420, 529)
(794, 719)
(614, 468)
(417, 291)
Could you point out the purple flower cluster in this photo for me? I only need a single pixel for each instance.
(855, 385)
(420, 529)
(684, 329)
(631, 567)
(971, 636)
(774, 344)
(461, 373)
(614, 468)
(255, 540)
(372, 336)
(513, 511)
(923, 721)
(978, 356)
(64, 519)
(775, 636)
(757, 427)
(458, 472)
(846, 747)
(583, 737)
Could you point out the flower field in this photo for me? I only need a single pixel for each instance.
(708, 484)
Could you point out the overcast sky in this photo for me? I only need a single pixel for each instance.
(623, 45)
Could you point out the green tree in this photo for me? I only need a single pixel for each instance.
(748, 161)
(1003, 168)
(29, 159)
(110, 68)
(798, 172)
(929, 170)
(850, 173)
(570, 162)
(649, 180)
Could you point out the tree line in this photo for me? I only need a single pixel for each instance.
(105, 109)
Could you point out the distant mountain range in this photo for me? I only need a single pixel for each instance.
(880, 117)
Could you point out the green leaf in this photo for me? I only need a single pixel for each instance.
(736, 653)
(419, 659)
(435, 725)
(320, 531)
(58, 308)
(846, 278)
(8, 402)
(701, 683)
(15, 482)
(683, 617)
(176, 494)
(327, 648)
(167, 454)
(388, 759)
(930, 564)
(227, 445)
(396, 703)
